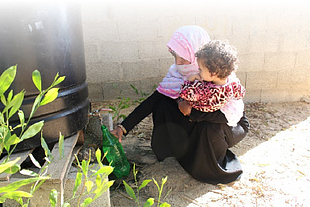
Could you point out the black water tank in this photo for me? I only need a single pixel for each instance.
(47, 37)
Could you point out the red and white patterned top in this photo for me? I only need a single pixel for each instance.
(208, 97)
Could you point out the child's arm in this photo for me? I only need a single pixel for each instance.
(208, 98)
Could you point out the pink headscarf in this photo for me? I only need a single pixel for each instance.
(186, 41)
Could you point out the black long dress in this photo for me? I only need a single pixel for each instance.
(199, 142)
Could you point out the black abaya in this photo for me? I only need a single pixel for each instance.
(199, 142)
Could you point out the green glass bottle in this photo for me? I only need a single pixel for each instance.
(115, 155)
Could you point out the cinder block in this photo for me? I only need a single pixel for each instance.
(153, 49)
(103, 71)
(149, 85)
(251, 62)
(95, 11)
(95, 92)
(100, 31)
(279, 61)
(116, 90)
(141, 69)
(126, 10)
(91, 53)
(280, 95)
(151, 9)
(296, 41)
(242, 77)
(252, 95)
(116, 51)
(265, 42)
(261, 80)
(167, 25)
(246, 24)
(302, 60)
(137, 30)
(241, 43)
(293, 79)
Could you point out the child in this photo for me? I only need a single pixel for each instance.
(216, 86)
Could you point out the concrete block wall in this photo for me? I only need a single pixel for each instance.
(125, 43)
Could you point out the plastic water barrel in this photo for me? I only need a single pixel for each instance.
(46, 36)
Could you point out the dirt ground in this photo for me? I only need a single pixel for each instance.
(275, 156)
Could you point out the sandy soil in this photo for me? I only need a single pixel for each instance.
(274, 155)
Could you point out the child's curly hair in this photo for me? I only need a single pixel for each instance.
(219, 57)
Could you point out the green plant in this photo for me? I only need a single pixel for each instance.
(116, 108)
(124, 103)
(9, 139)
(160, 190)
(136, 196)
(142, 95)
(83, 181)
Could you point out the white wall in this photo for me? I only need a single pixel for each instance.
(125, 43)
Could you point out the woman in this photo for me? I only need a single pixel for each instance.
(198, 140)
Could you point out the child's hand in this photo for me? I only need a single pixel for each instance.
(185, 108)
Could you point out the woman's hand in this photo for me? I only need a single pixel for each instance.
(185, 108)
(118, 132)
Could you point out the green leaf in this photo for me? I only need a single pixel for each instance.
(98, 156)
(16, 103)
(105, 170)
(32, 130)
(98, 181)
(47, 151)
(164, 180)
(156, 184)
(1, 118)
(13, 169)
(10, 95)
(149, 202)
(59, 80)
(89, 185)
(3, 100)
(61, 145)
(103, 188)
(21, 116)
(6, 78)
(6, 133)
(12, 140)
(36, 79)
(36, 104)
(144, 183)
(34, 161)
(17, 184)
(84, 167)
(53, 197)
(66, 205)
(129, 191)
(165, 205)
(87, 201)
(78, 181)
(6, 165)
(50, 96)
(16, 194)
(28, 173)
